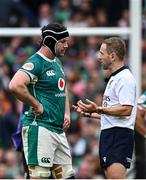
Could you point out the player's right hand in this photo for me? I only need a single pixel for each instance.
(38, 110)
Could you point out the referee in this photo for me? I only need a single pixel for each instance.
(118, 110)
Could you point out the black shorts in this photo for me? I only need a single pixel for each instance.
(116, 146)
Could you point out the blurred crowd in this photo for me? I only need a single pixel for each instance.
(21, 13)
(86, 79)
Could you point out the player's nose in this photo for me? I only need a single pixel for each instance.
(66, 45)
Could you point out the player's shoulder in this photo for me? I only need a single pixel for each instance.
(35, 58)
(32, 64)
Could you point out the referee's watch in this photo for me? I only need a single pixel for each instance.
(100, 110)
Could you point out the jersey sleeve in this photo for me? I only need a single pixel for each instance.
(33, 68)
(126, 91)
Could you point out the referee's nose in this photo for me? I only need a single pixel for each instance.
(99, 57)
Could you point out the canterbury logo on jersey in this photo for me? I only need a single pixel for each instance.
(45, 160)
(50, 73)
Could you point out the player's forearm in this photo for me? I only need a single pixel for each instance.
(21, 92)
(118, 110)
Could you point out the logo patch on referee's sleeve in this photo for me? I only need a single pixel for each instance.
(28, 66)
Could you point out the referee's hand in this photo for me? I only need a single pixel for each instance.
(77, 109)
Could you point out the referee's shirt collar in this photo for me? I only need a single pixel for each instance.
(116, 72)
(119, 70)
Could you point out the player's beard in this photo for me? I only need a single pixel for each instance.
(60, 54)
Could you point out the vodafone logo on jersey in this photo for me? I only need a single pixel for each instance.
(61, 84)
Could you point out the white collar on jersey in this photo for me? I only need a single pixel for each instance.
(47, 59)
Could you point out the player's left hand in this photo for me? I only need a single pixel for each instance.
(89, 107)
(66, 124)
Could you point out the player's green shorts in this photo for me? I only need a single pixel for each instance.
(45, 148)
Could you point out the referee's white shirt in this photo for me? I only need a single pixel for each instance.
(120, 89)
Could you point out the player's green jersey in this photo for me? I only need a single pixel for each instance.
(47, 85)
(142, 100)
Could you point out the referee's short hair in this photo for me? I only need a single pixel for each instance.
(117, 45)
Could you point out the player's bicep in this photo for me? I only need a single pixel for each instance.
(20, 78)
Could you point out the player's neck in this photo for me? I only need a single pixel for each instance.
(46, 52)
